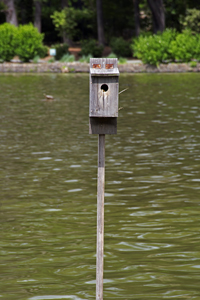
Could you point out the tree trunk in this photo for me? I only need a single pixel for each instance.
(137, 17)
(66, 39)
(11, 15)
(37, 18)
(100, 29)
(158, 15)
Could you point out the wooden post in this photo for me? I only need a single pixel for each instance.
(100, 217)
(103, 113)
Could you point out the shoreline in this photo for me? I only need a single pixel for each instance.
(78, 67)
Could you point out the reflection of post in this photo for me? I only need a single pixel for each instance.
(100, 217)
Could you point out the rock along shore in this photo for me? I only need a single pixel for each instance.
(77, 67)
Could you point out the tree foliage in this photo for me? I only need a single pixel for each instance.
(191, 20)
(76, 20)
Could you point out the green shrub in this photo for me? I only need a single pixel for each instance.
(90, 47)
(67, 58)
(7, 41)
(122, 60)
(193, 64)
(43, 51)
(85, 58)
(29, 42)
(167, 46)
(51, 60)
(197, 48)
(36, 59)
(112, 55)
(154, 49)
(61, 50)
(183, 48)
(121, 47)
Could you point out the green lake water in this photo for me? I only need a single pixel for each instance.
(48, 174)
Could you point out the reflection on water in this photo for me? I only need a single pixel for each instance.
(48, 189)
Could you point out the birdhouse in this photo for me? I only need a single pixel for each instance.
(103, 108)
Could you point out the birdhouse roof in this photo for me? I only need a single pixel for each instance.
(103, 67)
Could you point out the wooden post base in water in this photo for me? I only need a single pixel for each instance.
(100, 217)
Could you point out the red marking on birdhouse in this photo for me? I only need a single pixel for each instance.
(96, 66)
(109, 66)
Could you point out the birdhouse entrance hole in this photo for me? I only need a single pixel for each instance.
(104, 87)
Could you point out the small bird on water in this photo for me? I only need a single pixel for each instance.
(48, 98)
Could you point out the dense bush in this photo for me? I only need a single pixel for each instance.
(153, 49)
(197, 48)
(67, 58)
(112, 55)
(61, 50)
(122, 60)
(183, 48)
(90, 47)
(29, 42)
(43, 51)
(7, 41)
(85, 58)
(168, 46)
(120, 47)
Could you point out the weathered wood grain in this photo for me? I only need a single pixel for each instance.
(103, 62)
(103, 126)
(100, 217)
(104, 82)
(104, 103)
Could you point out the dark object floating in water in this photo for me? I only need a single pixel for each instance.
(48, 98)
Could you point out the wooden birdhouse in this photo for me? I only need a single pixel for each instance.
(103, 108)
